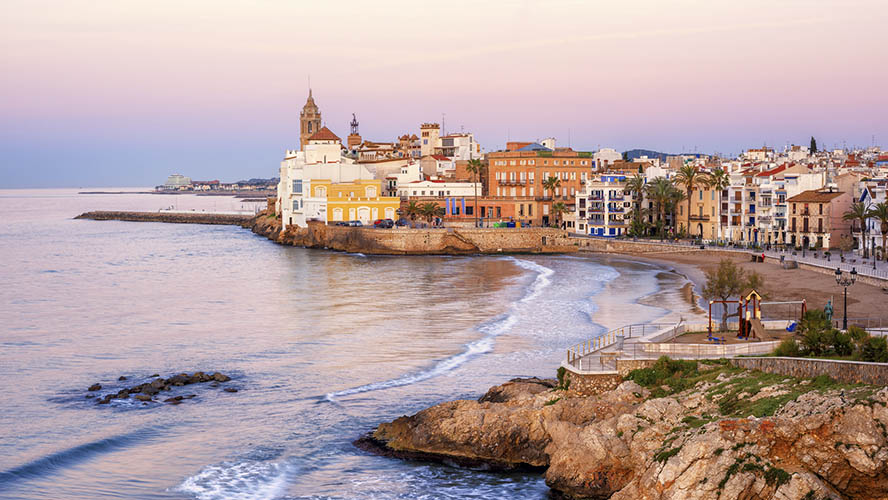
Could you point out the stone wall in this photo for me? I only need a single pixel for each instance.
(624, 366)
(592, 384)
(844, 371)
(604, 245)
(444, 241)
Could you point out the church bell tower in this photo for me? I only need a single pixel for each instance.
(309, 121)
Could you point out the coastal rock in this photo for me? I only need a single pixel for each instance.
(230, 389)
(516, 388)
(147, 391)
(121, 378)
(626, 445)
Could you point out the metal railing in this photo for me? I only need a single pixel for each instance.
(609, 338)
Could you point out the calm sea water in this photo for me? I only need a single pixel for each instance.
(322, 347)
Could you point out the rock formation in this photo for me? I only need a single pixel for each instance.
(812, 439)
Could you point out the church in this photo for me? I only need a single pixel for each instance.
(320, 182)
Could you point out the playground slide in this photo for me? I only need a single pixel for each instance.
(758, 329)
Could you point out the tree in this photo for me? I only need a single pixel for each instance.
(813, 147)
(412, 210)
(729, 280)
(431, 210)
(718, 180)
(859, 212)
(689, 177)
(558, 208)
(659, 191)
(635, 185)
(880, 211)
(676, 196)
(475, 167)
(638, 226)
(551, 184)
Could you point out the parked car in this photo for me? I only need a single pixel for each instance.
(402, 222)
(355, 223)
(384, 224)
(341, 223)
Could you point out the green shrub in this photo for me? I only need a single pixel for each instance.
(875, 349)
(857, 334)
(788, 348)
(665, 371)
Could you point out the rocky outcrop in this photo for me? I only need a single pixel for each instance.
(147, 391)
(696, 443)
(439, 241)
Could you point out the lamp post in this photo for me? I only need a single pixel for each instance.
(845, 282)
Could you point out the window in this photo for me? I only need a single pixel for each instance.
(295, 204)
(470, 210)
(337, 214)
(371, 192)
(701, 195)
(389, 213)
(320, 192)
(499, 212)
(520, 210)
(530, 210)
(556, 162)
(297, 186)
(820, 205)
(531, 191)
(531, 162)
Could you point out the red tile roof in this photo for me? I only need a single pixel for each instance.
(815, 196)
(324, 134)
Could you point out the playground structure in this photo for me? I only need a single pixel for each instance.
(749, 314)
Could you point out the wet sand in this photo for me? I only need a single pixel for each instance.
(864, 301)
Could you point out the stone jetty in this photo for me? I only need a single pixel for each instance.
(170, 217)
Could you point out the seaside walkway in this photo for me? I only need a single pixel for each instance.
(632, 343)
(864, 267)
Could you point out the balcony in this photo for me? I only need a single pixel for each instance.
(700, 218)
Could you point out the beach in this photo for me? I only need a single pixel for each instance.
(864, 300)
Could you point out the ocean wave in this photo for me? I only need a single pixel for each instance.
(54, 462)
(491, 330)
(247, 480)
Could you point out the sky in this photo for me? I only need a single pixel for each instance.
(124, 92)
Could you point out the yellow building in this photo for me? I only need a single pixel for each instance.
(357, 200)
(704, 217)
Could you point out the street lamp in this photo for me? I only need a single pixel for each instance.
(845, 282)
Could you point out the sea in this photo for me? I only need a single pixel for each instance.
(321, 346)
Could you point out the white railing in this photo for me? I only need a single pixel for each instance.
(608, 339)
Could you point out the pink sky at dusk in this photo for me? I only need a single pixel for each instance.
(132, 91)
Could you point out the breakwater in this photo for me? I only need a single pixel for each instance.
(170, 217)
(443, 241)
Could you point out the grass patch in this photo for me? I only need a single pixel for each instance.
(551, 402)
(667, 454)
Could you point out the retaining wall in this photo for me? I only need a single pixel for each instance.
(445, 241)
(844, 371)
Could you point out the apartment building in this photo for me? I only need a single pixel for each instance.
(816, 219)
(603, 207)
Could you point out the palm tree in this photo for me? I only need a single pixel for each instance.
(689, 177)
(475, 167)
(430, 210)
(551, 184)
(635, 185)
(859, 212)
(558, 208)
(658, 191)
(880, 211)
(412, 210)
(718, 180)
(676, 196)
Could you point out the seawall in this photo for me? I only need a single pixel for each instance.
(399, 241)
(170, 217)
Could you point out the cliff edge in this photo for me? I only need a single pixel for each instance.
(691, 431)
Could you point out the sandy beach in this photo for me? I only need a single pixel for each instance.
(864, 301)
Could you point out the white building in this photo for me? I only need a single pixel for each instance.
(459, 147)
(321, 159)
(606, 156)
(438, 188)
(177, 181)
(603, 207)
